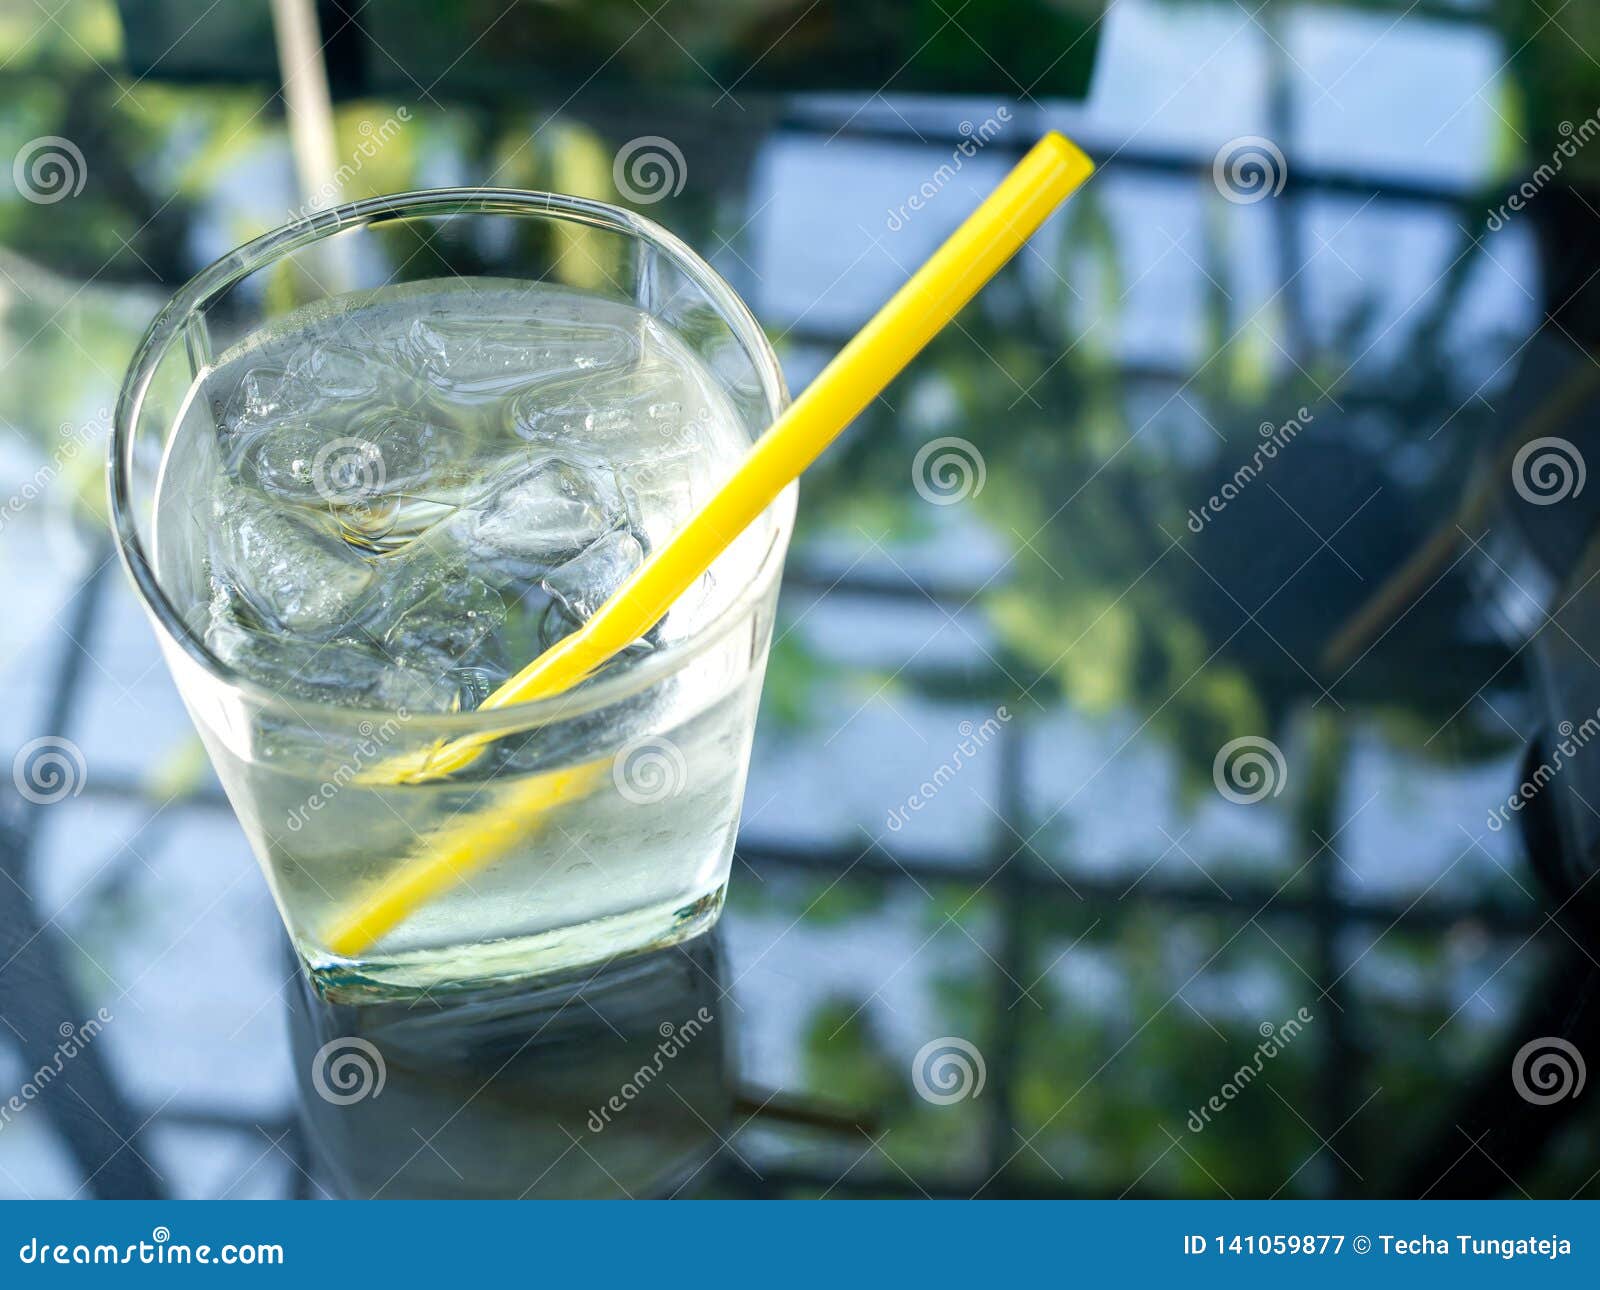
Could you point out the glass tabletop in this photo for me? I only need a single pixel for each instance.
(1172, 776)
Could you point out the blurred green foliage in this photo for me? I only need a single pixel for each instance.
(1108, 603)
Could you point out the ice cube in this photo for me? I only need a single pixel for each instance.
(418, 454)
(281, 459)
(330, 372)
(262, 402)
(344, 670)
(425, 491)
(475, 684)
(537, 517)
(660, 496)
(586, 582)
(292, 426)
(440, 620)
(473, 357)
(262, 395)
(293, 574)
(277, 417)
(385, 478)
(380, 453)
(605, 408)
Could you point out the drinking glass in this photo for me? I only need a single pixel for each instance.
(636, 775)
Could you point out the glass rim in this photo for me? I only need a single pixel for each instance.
(166, 329)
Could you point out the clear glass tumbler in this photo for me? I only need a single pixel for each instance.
(589, 825)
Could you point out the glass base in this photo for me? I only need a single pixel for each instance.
(474, 967)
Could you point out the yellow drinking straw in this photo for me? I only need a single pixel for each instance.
(1050, 172)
